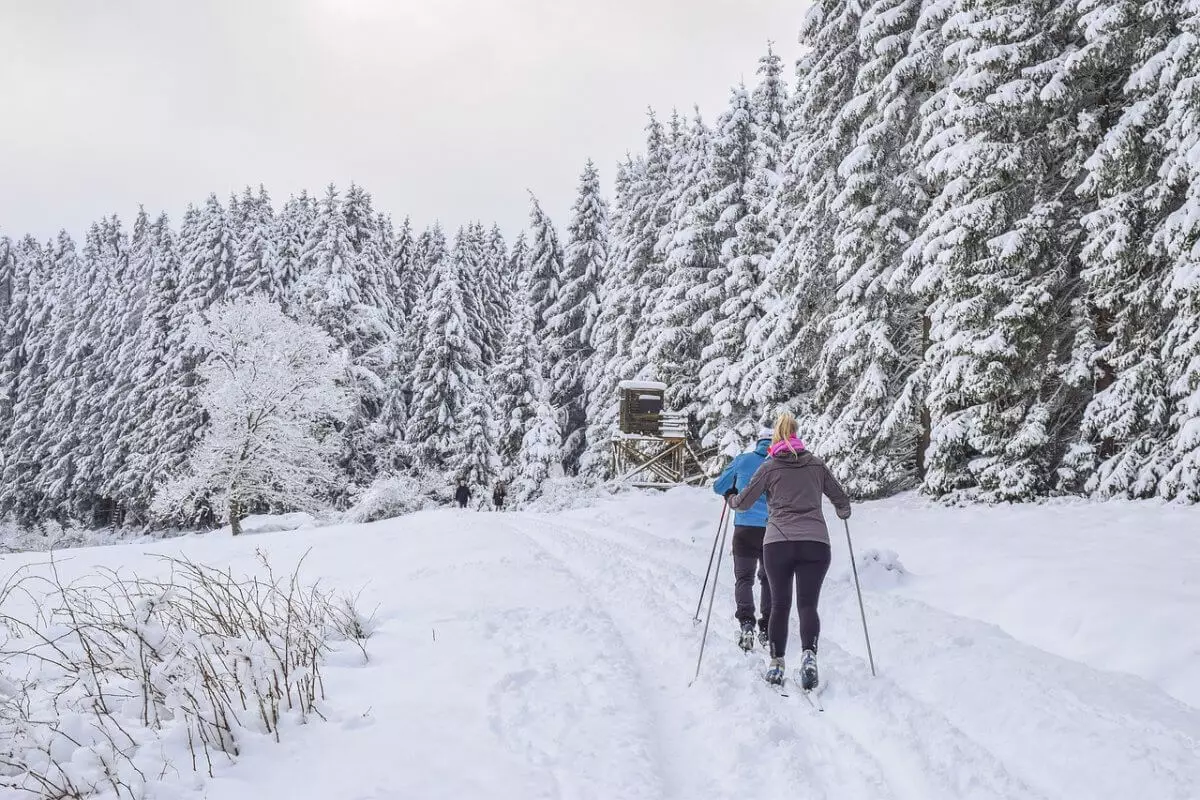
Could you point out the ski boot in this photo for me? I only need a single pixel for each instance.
(746, 637)
(808, 671)
(774, 674)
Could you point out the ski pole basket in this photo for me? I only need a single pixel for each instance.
(655, 448)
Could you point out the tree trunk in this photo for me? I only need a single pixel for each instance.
(926, 423)
(235, 517)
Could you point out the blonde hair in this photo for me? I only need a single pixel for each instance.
(785, 429)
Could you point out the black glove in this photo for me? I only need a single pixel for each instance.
(844, 514)
(731, 491)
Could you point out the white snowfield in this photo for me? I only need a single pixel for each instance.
(1047, 652)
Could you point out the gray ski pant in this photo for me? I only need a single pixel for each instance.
(748, 564)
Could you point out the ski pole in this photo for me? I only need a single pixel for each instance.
(858, 588)
(711, 597)
(721, 524)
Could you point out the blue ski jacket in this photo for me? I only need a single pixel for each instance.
(738, 473)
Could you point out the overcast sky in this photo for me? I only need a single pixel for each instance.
(442, 109)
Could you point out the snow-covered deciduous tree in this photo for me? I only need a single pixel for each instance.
(274, 391)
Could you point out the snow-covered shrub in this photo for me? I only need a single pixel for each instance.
(49, 535)
(109, 665)
(394, 495)
(564, 494)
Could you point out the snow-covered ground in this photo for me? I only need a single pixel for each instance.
(1029, 652)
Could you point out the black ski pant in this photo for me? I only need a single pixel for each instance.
(805, 564)
(747, 559)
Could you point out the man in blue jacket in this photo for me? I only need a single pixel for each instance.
(749, 528)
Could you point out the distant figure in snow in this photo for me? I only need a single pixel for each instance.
(462, 494)
(796, 546)
(498, 495)
(750, 526)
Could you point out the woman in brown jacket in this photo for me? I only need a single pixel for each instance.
(796, 545)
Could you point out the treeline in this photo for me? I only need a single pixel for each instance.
(99, 394)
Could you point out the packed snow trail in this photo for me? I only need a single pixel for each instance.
(525, 655)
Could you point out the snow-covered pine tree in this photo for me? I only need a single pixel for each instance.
(97, 337)
(649, 214)
(633, 276)
(1178, 238)
(121, 400)
(26, 341)
(728, 296)
(403, 272)
(272, 391)
(169, 419)
(292, 229)
(545, 264)
(478, 462)
(496, 286)
(468, 255)
(769, 103)
(637, 227)
(8, 278)
(608, 359)
(1124, 432)
(515, 378)
(445, 373)
(431, 249)
(208, 245)
(401, 286)
(370, 239)
(998, 246)
(689, 252)
(574, 312)
(341, 291)
(518, 264)
(256, 264)
(18, 265)
(541, 449)
(58, 438)
(868, 428)
(784, 344)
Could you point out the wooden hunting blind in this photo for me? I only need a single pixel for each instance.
(655, 448)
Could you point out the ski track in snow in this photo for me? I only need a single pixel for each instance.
(960, 708)
(525, 656)
(907, 752)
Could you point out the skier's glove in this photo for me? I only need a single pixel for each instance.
(844, 514)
